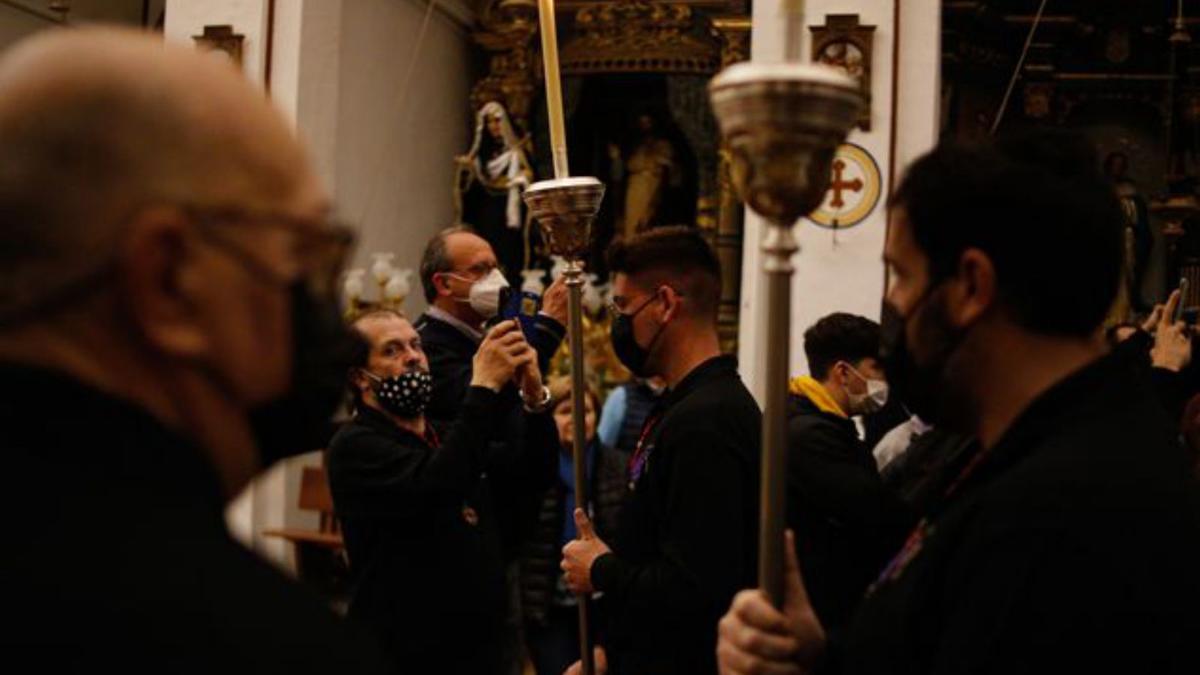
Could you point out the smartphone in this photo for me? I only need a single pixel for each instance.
(522, 306)
(1183, 296)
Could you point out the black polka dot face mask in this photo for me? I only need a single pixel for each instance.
(404, 395)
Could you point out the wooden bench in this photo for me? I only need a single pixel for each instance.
(320, 555)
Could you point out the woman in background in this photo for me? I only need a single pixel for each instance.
(550, 610)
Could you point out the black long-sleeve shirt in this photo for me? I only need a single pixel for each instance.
(420, 523)
(686, 539)
(1071, 546)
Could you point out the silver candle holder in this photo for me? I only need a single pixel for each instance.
(782, 122)
(565, 209)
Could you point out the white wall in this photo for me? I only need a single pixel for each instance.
(846, 273)
(16, 23)
(395, 148)
(336, 70)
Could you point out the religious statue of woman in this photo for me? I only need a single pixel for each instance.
(1138, 237)
(647, 169)
(487, 188)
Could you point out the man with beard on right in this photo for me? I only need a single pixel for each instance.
(1069, 542)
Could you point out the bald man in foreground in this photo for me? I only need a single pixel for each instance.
(166, 264)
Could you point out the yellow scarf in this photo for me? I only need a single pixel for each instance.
(814, 391)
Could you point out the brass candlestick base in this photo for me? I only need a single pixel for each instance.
(782, 123)
(565, 209)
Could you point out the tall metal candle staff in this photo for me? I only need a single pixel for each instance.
(782, 122)
(565, 208)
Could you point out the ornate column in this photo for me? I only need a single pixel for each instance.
(734, 36)
(508, 27)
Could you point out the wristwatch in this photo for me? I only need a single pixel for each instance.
(537, 406)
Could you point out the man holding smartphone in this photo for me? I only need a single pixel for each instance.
(465, 289)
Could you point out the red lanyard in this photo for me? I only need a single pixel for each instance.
(637, 462)
(916, 539)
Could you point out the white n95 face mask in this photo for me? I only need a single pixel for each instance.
(873, 400)
(487, 294)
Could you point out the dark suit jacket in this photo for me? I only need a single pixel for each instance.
(520, 472)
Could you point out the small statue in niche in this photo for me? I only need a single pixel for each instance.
(646, 169)
(1137, 222)
(487, 188)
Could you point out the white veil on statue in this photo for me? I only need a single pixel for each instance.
(507, 171)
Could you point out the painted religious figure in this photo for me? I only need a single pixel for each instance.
(845, 56)
(490, 179)
(646, 169)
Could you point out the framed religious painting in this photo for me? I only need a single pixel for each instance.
(847, 45)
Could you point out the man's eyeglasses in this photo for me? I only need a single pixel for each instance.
(614, 309)
(321, 246)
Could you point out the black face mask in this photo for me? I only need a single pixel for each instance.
(323, 350)
(920, 387)
(631, 355)
(405, 395)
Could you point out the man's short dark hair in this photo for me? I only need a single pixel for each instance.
(840, 337)
(1039, 208)
(360, 354)
(435, 259)
(676, 256)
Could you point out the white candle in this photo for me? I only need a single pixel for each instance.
(558, 133)
(793, 12)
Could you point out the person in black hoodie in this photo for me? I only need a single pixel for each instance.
(549, 608)
(415, 500)
(847, 522)
(1070, 540)
(686, 539)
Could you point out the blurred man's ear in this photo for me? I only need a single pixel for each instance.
(158, 267)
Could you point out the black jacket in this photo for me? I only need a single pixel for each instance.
(542, 554)
(118, 558)
(518, 486)
(1071, 547)
(420, 525)
(686, 542)
(846, 523)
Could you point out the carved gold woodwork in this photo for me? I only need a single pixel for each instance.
(629, 36)
(734, 36)
(508, 28)
(636, 36)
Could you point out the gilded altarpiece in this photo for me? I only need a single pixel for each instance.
(634, 83)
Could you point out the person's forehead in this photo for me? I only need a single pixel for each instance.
(383, 329)
(625, 286)
(467, 248)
